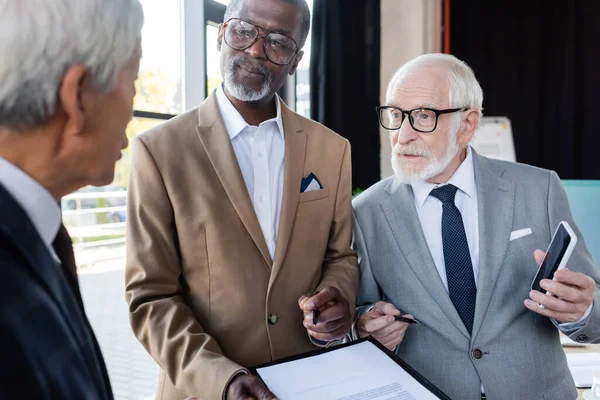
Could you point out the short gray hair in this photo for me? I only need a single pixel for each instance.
(42, 39)
(464, 90)
(234, 7)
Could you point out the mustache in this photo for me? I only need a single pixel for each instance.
(239, 61)
(411, 150)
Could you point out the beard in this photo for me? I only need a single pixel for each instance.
(241, 91)
(435, 166)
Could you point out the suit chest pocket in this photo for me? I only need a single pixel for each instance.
(526, 243)
(313, 195)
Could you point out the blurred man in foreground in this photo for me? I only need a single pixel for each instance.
(66, 96)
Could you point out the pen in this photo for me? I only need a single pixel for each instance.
(408, 320)
(315, 311)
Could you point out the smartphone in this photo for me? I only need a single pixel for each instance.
(561, 247)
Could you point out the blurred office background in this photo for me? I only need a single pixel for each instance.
(536, 60)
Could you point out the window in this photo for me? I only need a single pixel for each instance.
(95, 217)
(303, 76)
(213, 68)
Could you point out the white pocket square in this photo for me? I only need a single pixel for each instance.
(313, 185)
(520, 233)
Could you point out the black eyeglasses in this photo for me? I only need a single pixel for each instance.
(240, 35)
(421, 119)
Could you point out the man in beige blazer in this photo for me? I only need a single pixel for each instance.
(239, 211)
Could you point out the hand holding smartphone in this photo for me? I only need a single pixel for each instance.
(557, 255)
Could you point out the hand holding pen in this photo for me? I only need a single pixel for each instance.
(327, 314)
(385, 323)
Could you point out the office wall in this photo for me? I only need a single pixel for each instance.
(409, 28)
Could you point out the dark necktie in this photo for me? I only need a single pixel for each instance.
(459, 269)
(63, 246)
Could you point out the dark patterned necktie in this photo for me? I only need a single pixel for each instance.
(459, 269)
(63, 246)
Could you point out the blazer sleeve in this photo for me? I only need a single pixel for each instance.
(369, 292)
(340, 267)
(580, 261)
(159, 314)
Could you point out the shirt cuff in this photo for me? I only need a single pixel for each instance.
(573, 326)
(325, 343)
(354, 331)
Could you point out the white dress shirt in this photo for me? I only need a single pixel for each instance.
(38, 203)
(429, 210)
(260, 153)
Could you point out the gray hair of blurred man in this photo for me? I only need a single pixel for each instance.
(42, 39)
(464, 89)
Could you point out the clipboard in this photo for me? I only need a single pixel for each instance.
(402, 364)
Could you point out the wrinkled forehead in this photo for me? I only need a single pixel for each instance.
(421, 87)
(274, 15)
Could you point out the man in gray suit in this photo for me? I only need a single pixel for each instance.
(450, 240)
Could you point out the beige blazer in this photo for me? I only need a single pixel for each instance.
(205, 298)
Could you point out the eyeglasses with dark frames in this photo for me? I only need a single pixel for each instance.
(421, 119)
(279, 48)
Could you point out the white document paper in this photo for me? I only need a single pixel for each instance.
(358, 372)
(583, 366)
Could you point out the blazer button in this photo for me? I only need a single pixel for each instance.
(582, 339)
(476, 354)
(273, 319)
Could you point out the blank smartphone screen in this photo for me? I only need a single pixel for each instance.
(553, 257)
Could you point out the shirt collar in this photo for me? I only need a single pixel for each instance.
(463, 179)
(234, 122)
(38, 203)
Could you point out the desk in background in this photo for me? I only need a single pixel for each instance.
(586, 349)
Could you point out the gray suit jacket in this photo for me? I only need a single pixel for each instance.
(521, 353)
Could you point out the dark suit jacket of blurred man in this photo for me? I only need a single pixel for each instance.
(48, 348)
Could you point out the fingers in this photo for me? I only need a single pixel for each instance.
(391, 335)
(333, 312)
(385, 308)
(539, 256)
(559, 316)
(573, 278)
(337, 334)
(257, 390)
(333, 323)
(302, 300)
(370, 324)
(571, 302)
(248, 387)
(564, 292)
(394, 337)
(320, 299)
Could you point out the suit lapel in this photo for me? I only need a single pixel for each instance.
(495, 202)
(403, 220)
(215, 139)
(295, 151)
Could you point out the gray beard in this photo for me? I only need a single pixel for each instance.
(240, 91)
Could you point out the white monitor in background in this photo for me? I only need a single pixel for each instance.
(494, 139)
